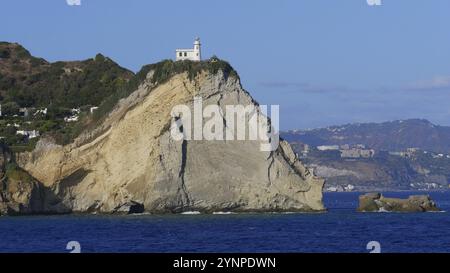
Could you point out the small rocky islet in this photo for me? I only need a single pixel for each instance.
(376, 202)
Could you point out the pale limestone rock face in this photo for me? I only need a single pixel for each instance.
(132, 159)
(20, 193)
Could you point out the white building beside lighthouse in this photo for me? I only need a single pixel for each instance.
(192, 54)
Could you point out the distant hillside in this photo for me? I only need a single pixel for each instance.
(391, 166)
(390, 136)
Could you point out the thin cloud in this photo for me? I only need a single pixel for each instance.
(73, 2)
(302, 87)
(282, 84)
(436, 83)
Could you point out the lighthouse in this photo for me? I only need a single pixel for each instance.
(193, 54)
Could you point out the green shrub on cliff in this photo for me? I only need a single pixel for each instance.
(168, 68)
(12, 171)
(163, 71)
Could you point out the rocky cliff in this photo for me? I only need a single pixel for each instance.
(22, 194)
(130, 163)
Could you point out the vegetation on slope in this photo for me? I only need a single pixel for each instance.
(162, 72)
(27, 82)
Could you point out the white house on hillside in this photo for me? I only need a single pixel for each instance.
(193, 54)
(29, 134)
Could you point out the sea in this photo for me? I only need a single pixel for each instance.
(340, 229)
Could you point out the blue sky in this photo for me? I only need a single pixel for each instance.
(324, 62)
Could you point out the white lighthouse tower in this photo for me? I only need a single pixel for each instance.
(197, 50)
(190, 54)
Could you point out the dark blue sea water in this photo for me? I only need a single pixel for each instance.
(341, 229)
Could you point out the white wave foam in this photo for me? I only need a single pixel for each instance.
(191, 212)
(223, 212)
(138, 214)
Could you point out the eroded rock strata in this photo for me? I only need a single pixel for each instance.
(130, 163)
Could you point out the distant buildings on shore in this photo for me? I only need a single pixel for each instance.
(349, 151)
(357, 153)
(340, 188)
(360, 151)
(328, 147)
(408, 153)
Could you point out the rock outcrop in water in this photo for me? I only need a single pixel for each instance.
(130, 163)
(376, 202)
